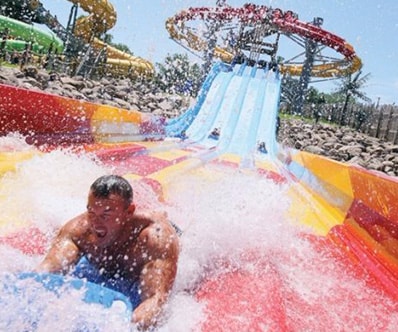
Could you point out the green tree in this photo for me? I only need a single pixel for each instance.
(108, 39)
(122, 47)
(314, 96)
(316, 100)
(178, 75)
(288, 88)
(350, 87)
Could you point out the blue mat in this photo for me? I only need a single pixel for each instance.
(27, 290)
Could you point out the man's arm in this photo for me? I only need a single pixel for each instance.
(156, 278)
(63, 252)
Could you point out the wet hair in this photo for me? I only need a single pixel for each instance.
(112, 184)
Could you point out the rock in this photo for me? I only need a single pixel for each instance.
(122, 103)
(357, 160)
(120, 94)
(353, 150)
(87, 91)
(76, 83)
(31, 71)
(387, 163)
(392, 148)
(166, 105)
(314, 149)
(32, 81)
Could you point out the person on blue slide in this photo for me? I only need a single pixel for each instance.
(111, 245)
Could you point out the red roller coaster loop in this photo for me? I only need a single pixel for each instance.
(278, 22)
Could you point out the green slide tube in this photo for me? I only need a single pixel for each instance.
(22, 33)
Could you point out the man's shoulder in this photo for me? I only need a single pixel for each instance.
(158, 234)
(158, 227)
(77, 226)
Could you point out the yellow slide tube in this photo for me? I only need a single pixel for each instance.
(102, 18)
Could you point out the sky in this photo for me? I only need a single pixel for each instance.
(370, 26)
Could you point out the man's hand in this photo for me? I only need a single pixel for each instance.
(146, 314)
(63, 252)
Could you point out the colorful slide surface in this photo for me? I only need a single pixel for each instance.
(23, 33)
(330, 198)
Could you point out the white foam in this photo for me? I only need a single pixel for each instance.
(14, 142)
(48, 189)
(226, 216)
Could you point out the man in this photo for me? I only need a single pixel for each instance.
(111, 245)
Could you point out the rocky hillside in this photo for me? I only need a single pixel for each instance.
(342, 144)
(123, 93)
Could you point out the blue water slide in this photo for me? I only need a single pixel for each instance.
(216, 96)
(217, 110)
(176, 126)
(250, 114)
(208, 112)
(267, 125)
(228, 129)
(236, 113)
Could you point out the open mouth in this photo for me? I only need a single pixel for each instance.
(100, 231)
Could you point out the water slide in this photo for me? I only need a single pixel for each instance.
(247, 271)
(22, 33)
(102, 18)
(236, 19)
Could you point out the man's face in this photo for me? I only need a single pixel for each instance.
(107, 217)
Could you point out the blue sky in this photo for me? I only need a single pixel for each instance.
(370, 26)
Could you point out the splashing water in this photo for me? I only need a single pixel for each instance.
(14, 142)
(48, 189)
(231, 221)
(37, 309)
(234, 221)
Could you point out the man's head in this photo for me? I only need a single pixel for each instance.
(109, 208)
(112, 184)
